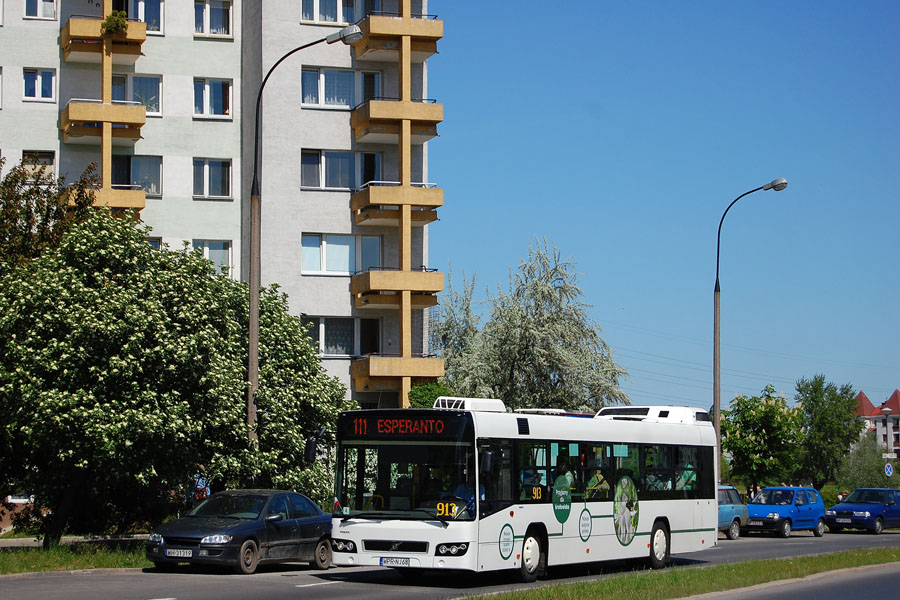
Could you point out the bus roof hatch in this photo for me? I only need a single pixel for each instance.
(474, 404)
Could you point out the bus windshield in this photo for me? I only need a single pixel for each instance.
(408, 467)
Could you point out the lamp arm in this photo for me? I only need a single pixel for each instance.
(254, 186)
(719, 233)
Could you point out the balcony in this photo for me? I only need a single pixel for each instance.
(382, 33)
(116, 197)
(383, 373)
(378, 121)
(81, 121)
(378, 203)
(82, 42)
(381, 289)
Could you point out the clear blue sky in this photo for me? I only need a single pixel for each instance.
(621, 131)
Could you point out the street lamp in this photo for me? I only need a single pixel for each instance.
(777, 185)
(888, 434)
(348, 35)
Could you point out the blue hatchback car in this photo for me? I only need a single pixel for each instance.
(783, 509)
(866, 508)
(733, 513)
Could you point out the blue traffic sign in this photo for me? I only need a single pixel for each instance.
(888, 469)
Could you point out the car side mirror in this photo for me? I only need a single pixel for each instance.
(274, 518)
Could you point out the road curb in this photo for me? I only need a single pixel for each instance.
(771, 584)
(75, 572)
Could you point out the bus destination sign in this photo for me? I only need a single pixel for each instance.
(395, 426)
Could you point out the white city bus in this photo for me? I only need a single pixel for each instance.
(467, 485)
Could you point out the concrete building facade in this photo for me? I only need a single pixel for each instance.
(166, 108)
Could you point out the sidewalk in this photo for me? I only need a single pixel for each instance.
(34, 542)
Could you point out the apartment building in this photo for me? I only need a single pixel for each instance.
(167, 109)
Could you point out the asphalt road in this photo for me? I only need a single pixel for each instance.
(295, 581)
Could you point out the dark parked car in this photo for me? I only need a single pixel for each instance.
(782, 509)
(243, 528)
(733, 512)
(866, 508)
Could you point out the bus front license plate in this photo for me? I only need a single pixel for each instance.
(389, 561)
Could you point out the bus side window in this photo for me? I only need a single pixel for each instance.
(596, 473)
(533, 472)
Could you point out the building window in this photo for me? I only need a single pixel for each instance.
(146, 89)
(217, 251)
(339, 254)
(155, 242)
(338, 88)
(40, 9)
(40, 84)
(328, 11)
(148, 11)
(340, 336)
(338, 170)
(138, 172)
(37, 162)
(212, 98)
(212, 17)
(212, 178)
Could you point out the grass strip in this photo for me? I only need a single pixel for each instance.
(71, 557)
(688, 581)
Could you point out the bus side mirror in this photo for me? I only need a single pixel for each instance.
(487, 461)
(312, 442)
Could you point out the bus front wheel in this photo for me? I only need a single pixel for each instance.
(659, 546)
(531, 558)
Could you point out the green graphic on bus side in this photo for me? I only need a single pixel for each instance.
(562, 499)
(506, 541)
(625, 510)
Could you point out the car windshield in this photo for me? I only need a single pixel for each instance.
(770, 496)
(239, 506)
(866, 497)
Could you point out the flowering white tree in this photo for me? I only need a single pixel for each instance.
(123, 373)
(539, 347)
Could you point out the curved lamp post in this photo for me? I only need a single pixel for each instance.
(777, 185)
(348, 35)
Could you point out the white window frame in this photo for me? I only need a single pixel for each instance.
(205, 195)
(319, 323)
(207, 11)
(323, 253)
(357, 89)
(357, 169)
(39, 4)
(159, 175)
(129, 90)
(142, 16)
(39, 84)
(339, 8)
(204, 245)
(207, 99)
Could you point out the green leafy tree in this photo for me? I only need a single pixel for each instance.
(123, 373)
(762, 434)
(863, 466)
(36, 208)
(424, 395)
(830, 425)
(539, 347)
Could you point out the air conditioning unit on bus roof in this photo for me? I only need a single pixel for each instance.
(664, 414)
(476, 404)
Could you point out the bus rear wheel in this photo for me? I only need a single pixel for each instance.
(531, 558)
(659, 546)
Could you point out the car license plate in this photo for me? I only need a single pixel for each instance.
(389, 561)
(178, 552)
(757, 523)
(841, 520)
